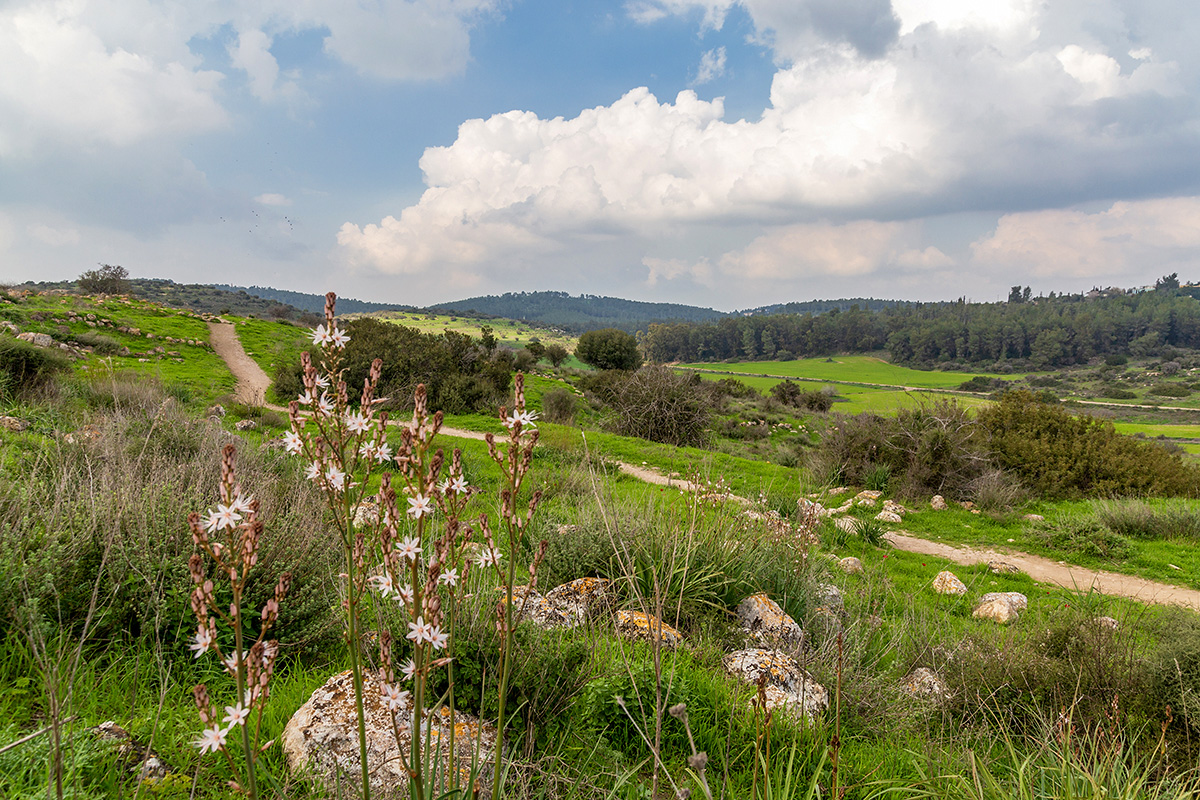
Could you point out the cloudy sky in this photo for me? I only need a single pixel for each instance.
(725, 153)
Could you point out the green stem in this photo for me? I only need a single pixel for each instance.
(355, 666)
(418, 781)
(251, 778)
(505, 656)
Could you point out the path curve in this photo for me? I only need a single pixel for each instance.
(253, 382)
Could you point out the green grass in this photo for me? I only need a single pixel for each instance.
(847, 369)
(272, 344)
(509, 333)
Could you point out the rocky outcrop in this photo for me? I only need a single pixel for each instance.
(646, 627)
(948, 583)
(530, 606)
(322, 737)
(786, 685)
(584, 598)
(767, 623)
(37, 339)
(889, 517)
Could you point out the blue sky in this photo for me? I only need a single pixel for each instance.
(725, 153)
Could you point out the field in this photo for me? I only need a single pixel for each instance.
(94, 551)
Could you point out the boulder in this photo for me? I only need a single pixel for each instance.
(889, 516)
(847, 524)
(865, 502)
(1003, 568)
(787, 686)
(1019, 601)
(13, 424)
(851, 566)
(11, 327)
(807, 506)
(639, 625)
(583, 598)
(322, 737)
(829, 598)
(938, 503)
(530, 606)
(37, 339)
(925, 683)
(894, 507)
(1000, 607)
(947, 582)
(217, 411)
(767, 623)
(868, 494)
(245, 425)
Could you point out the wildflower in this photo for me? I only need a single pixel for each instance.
(383, 453)
(212, 740)
(325, 405)
(313, 471)
(293, 443)
(307, 398)
(226, 516)
(321, 335)
(405, 594)
(409, 548)
(202, 642)
(321, 381)
(231, 662)
(408, 670)
(236, 715)
(489, 557)
(338, 338)
(357, 423)
(437, 638)
(242, 504)
(419, 506)
(384, 584)
(449, 578)
(420, 631)
(524, 418)
(392, 697)
(335, 477)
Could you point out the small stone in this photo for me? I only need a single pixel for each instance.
(366, 514)
(851, 566)
(998, 609)
(829, 598)
(639, 625)
(889, 516)
(924, 682)
(1106, 623)
(767, 623)
(245, 425)
(1019, 601)
(1003, 568)
(868, 494)
(13, 424)
(947, 582)
(217, 411)
(894, 507)
(967, 504)
(788, 686)
(1034, 518)
(938, 503)
(865, 502)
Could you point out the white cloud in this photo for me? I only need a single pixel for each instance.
(55, 237)
(1124, 243)
(712, 66)
(272, 199)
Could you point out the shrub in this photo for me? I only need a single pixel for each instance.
(1116, 360)
(657, 404)
(1173, 672)
(1169, 390)
(609, 348)
(24, 368)
(556, 354)
(1117, 393)
(1058, 455)
(981, 383)
(1137, 519)
(559, 406)
(101, 344)
(1085, 536)
(812, 400)
(109, 279)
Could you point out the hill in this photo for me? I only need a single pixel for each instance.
(313, 303)
(202, 298)
(582, 313)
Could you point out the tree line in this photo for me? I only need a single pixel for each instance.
(1040, 332)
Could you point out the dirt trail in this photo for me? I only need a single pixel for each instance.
(253, 382)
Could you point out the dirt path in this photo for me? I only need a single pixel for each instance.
(252, 382)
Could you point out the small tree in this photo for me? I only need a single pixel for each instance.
(536, 348)
(557, 354)
(609, 348)
(1167, 282)
(109, 279)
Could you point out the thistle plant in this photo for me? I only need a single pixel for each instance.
(228, 540)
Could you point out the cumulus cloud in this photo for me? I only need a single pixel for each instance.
(1120, 242)
(712, 66)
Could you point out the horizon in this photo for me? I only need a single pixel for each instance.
(728, 154)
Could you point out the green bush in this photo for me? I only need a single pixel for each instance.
(1169, 390)
(791, 394)
(559, 406)
(1173, 673)
(1057, 455)
(24, 368)
(609, 348)
(654, 403)
(1117, 393)
(100, 344)
(1085, 536)
(1136, 519)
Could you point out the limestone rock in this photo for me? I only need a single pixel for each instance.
(322, 736)
(807, 506)
(894, 507)
(1001, 607)
(1106, 623)
(868, 494)
(938, 503)
(530, 606)
(638, 625)
(788, 686)
(245, 425)
(851, 566)
(924, 682)
(948, 583)
(1019, 601)
(217, 411)
(88, 433)
(583, 598)
(13, 424)
(847, 524)
(37, 339)
(968, 505)
(764, 620)
(829, 597)
(11, 327)
(865, 502)
(1003, 568)
(1034, 518)
(366, 514)
(134, 756)
(889, 516)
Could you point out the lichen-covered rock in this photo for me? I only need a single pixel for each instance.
(88, 433)
(583, 598)
(868, 494)
(894, 507)
(245, 425)
(947, 582)
(322, 736)
(847, 524)
(217, 411)
(13, 424)
(807, 506)
(530, 606)
(37, 339)
(133, 756)
(938, 503)
(924, 682)
(865, 502)
(767, 623)
(889, 516)
(1003, 568)
(829, 597)
(788, 687)
(639, 625)
(850, 565)
(998, 607)
(1019, 601)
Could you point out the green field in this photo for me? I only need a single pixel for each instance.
(510, 333)
(846, 369)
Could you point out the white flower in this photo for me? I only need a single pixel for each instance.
(489, 557)
(321, 335)
(226, 516)
(242, 504)
(419, 506)
(313, 471)
(459, 485)
(410, 548)
(357, 423)
(383, 453)
(335, 478)
(392, 697)
(420, 631)
(293, 443)
(231, 663)
(405, 594)
(325, 405)
(526, 418)
(212, 740)
(384, 584)
(449, 578)
(437, 638)
(306, 399)
(408, 669)
(236, 715)
(338, 338)
(201, 642)
(321, 381)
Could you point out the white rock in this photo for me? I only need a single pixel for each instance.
(1034, 517)
(37, 339)
(924, 682)
(1019, 601)
(894, 507)
(868, 494)
(847, 524)
(938, 503)
(788, 686)
(851, 566)
(948, 583)
(767, 623)
(889, 516)
(865, 502)
(1003, 568)
(583, 598)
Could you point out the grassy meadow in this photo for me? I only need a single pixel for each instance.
(97, 626)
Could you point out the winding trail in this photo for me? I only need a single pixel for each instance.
(252, 385)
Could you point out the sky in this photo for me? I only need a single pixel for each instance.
(722, 153)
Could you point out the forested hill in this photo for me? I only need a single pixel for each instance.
(821, 306)
(1035, 333)
(582, 313)
(314, 303)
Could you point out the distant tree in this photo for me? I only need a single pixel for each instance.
(536, 348)
(109, 279)
(609, 348)
(1167, 282)
(557, 354)
(523, 360)
(1019, 295)
(487, 338)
